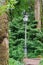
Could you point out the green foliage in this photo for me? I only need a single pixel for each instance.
(16, 34)
(9, 5)
(14, 62)
(2, 9)
(41, 62)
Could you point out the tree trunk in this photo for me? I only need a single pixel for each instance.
(4, 52)
(38, 13)
(4, 40)
(42, 14)
(4, 46)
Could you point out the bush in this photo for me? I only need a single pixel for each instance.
(14, 62)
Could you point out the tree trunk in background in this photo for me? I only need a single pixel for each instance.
(4, 46)
(42, 14)
(38, 13)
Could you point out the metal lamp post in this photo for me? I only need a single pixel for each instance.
(25, 19)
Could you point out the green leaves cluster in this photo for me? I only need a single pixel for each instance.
(9, 5)
(14, 62)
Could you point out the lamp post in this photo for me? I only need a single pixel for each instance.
(25, 19)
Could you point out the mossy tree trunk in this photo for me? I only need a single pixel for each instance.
(4, 46)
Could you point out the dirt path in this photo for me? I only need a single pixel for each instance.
(32, 61)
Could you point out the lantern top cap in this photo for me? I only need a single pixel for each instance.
(25, 13)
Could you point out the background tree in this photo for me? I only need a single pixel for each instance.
(42, 13)
(38, 13)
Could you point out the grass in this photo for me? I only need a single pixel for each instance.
(14, 62)
(41, 62)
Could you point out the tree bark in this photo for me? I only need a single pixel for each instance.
(4, 45)
(4, 52)
(42, 14)
(38, 13)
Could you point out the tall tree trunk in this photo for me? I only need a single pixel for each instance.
(4, 46)
(42, 14)
(38, 13)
